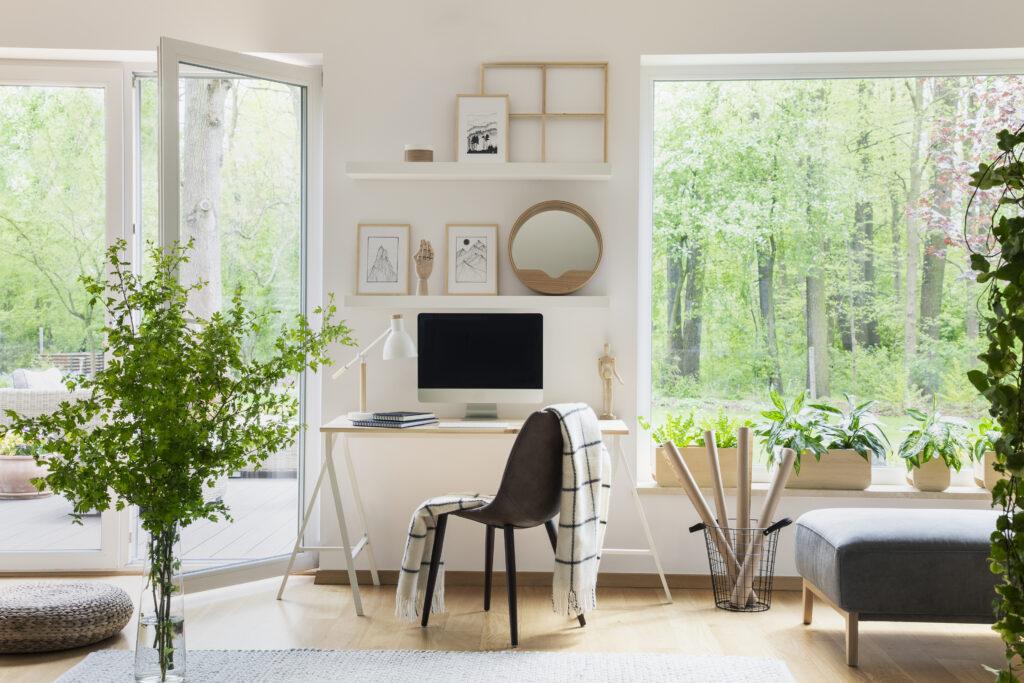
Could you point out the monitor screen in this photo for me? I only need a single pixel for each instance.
(487, 352)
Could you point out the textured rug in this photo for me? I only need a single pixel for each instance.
(427, 666)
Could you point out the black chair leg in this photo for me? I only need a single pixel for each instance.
(435, 562)
(488, 565)
(553, 537)
(510, 582)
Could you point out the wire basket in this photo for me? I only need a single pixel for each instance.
(742, 563)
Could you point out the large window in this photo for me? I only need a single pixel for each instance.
(810, 235)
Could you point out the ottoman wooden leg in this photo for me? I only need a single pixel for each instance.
(851, 638)
(808, 603)
(852, 619)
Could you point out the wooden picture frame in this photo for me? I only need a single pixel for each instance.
(382, 258)
(472, 264)
(481, 128)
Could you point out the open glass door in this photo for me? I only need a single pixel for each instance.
(234, 177)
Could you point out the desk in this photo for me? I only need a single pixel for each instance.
(611, 430)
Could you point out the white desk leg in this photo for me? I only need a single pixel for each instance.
(302, 529)
(360, 514)
(643, 517)
(349, 560)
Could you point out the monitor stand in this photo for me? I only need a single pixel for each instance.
(481, 411)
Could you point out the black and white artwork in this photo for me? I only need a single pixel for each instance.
(472, 259)
(481, 131)
(382, 255)
(383, 259)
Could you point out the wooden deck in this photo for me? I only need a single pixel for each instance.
(265, 513)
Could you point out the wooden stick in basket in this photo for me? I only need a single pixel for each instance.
(752, 556)
(682, 472)
(743, 448)
(716, 479)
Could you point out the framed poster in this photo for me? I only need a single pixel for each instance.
(472, 258)
(382, 261)
(481, 128)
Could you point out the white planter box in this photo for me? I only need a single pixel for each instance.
(838, 470)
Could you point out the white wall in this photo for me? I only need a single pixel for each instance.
(391, 72)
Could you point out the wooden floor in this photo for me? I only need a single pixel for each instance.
(629, 620)
(265, 513)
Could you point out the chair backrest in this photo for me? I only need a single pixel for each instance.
(531, 487)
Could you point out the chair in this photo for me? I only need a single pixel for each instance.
(529, 495)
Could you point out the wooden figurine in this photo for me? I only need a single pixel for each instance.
(606, 368)
(424, 266)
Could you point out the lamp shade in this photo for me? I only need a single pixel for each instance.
(399, 344)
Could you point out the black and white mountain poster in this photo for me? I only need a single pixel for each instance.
(471, 260)
(482, 134)
(381, 257)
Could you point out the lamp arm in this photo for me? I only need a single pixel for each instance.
(361, 356)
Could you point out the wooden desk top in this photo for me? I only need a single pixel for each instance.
(342, 425)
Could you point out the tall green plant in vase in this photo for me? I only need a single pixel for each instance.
(999, 263)
(179, 405)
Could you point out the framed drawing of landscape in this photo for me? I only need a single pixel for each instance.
(382, 261)
(472, 258)
(481, 128)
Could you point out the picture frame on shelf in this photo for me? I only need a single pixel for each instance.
(382, 258)
(472, 264)
(481, 128)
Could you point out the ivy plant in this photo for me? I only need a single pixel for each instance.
(999, 264)
(178, 406)
(935, 436)
(795, 426)
(856, 430)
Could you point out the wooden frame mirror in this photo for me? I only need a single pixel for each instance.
(555, 247)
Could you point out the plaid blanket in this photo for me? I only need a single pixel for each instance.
(583, 517)
(412, 580)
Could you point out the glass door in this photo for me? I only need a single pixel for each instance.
(234, 133)
(61, 205)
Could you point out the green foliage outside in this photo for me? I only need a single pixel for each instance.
(179, 405)
(824, 214)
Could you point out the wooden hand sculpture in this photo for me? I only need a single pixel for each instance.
(424, 266)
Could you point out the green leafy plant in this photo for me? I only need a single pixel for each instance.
(983, 438)
(1001, 382)
(856, 430)
(792, 426)
(681, 429)
(936, 436)
(178, 406)
(724, 427)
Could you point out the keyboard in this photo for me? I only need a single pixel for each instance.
(474, 424)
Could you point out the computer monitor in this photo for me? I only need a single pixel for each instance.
(480, 359)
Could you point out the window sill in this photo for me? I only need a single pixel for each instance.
(873, 491)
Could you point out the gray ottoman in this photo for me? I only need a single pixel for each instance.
(47, 616)
(895, 564)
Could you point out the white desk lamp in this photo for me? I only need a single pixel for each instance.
(398, 345)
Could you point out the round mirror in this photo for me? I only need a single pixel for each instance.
(555, 247)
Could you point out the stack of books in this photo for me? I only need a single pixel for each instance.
(397, 420)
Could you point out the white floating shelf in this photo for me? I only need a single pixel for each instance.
(451, 170)
(527, 302)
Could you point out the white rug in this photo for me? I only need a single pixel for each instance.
(427, 666)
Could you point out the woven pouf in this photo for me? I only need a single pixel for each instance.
(42, 617)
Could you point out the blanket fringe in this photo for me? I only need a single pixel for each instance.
(569, 603)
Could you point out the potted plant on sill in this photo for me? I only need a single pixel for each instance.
(178, 406)
(22, 464)
(982, 440)
(805, 429)
(686, 431)
(932, 447)
(856, 433)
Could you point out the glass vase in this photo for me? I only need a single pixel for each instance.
(160, 645)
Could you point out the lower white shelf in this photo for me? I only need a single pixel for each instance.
(455, 302)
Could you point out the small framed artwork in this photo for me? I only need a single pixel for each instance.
(481, 128)
(382, 263)
(472, 258)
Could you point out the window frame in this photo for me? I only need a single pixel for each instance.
(774, 66)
